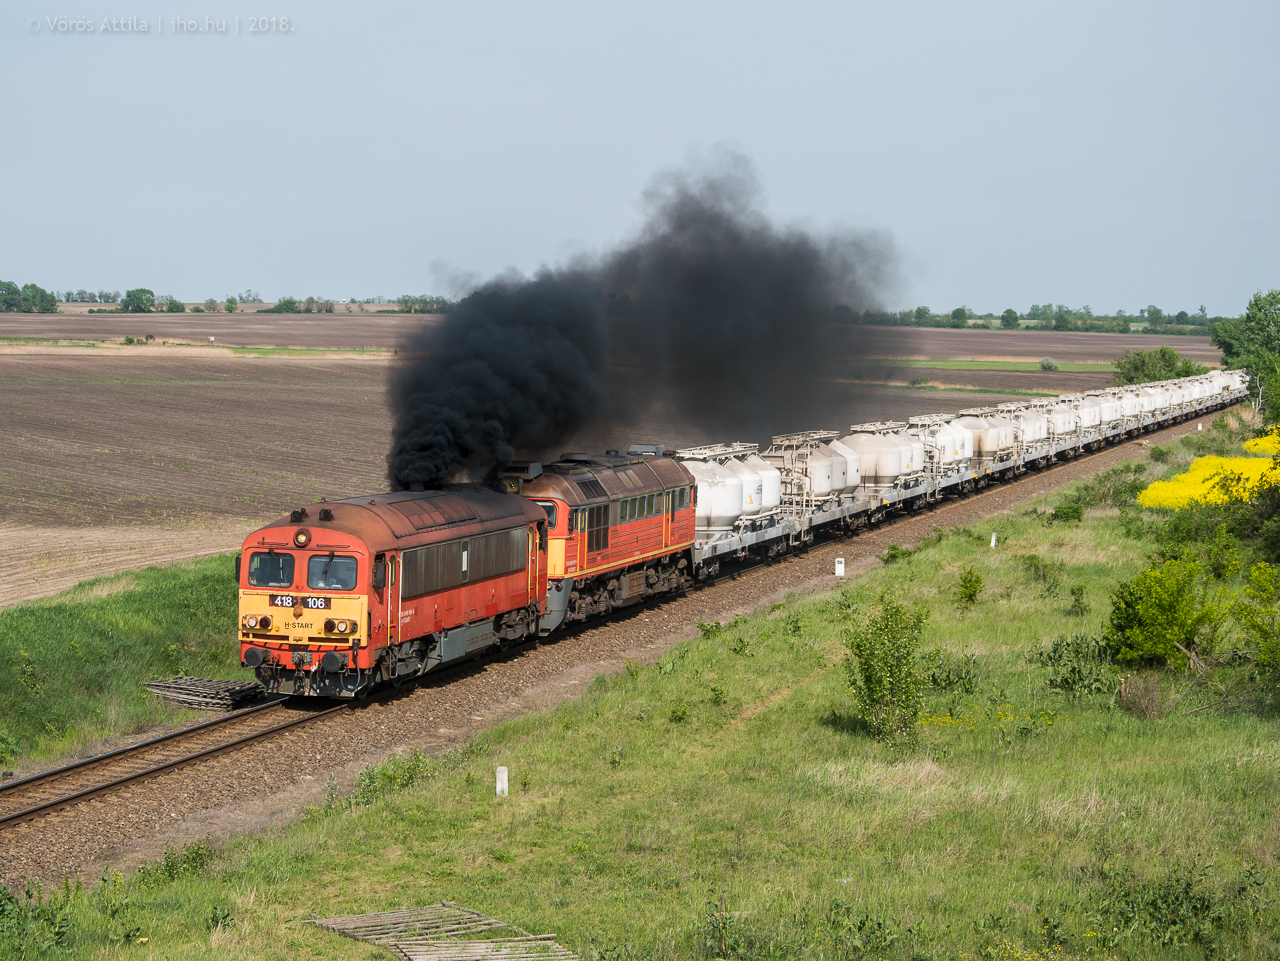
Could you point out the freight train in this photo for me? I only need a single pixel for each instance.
(342, 596)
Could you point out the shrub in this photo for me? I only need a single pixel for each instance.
(884, 683)
(1068, 512)
(1079, 665)
(948, 672)
(1046, 573)
(895, 554)
(1078, 608)
(191, 860)
(1158, 612)
(1116, 487)
(1258, 614)
(1048, 363)
(8, 747)
(968, 589)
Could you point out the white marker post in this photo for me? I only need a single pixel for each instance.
(839, 567)
(502, 782)
(993, 540)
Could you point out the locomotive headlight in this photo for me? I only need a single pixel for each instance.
(302, 537)
(342, 627)
(251, 621)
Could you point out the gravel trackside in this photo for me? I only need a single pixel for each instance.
(265, 782)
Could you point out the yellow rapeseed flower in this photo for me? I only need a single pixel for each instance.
(1270, 444)
(1201, 483)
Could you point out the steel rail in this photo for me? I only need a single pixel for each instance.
(97, 760)
(67, 800)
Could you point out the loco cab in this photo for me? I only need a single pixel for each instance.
(620, 528)
(342, 595)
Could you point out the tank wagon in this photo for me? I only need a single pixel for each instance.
(907, 465)
(342, 595)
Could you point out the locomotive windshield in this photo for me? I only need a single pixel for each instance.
(331, 572)
(550, 508)
(271, 570)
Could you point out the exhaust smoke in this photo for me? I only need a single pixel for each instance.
(712, 312)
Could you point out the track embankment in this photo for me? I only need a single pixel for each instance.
(267, 783)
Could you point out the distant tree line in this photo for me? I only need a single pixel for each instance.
(1039, 317)
(89, 297)
(27, 299)
(291, 305)
(424, 304)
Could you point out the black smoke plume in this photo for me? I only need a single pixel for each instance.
(515, 365)
(712, 314)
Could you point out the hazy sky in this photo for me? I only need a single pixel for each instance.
(1112, 154)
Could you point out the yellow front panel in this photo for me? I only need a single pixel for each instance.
(300, 624)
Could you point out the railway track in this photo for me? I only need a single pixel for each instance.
(63, 787)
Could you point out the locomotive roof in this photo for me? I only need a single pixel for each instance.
(393, 520)
(597, 478)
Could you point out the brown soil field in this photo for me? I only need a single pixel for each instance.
(354, 331)
(340, 331)
(922, 343)
(117, 459)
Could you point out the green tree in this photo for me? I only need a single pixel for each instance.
(287, 305)
(1161, 363)
(232, 304)
(1154, 315)
(1009, 319)
(10, 296)
(1160, 611)
(884, 682)
(138, 301)
(922, 315)
(1252, 342)
(211, 306)
(1258, 613)
(37, 300)
(960, 313)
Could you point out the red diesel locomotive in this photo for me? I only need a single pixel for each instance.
(343, 595)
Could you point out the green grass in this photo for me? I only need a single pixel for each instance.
(1032, 365)
(75, 662)
(971, 390)
(725, 802)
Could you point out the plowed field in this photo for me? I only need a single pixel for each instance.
(114, 460)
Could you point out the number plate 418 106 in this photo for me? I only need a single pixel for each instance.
(295, 600)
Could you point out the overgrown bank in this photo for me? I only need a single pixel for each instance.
(76, 661)
(730, 802)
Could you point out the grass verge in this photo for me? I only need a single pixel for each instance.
(76, 661)
(726, 803)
